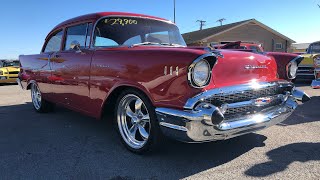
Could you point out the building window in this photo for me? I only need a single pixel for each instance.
(278, 45)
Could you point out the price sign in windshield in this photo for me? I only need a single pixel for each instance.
(120, 21)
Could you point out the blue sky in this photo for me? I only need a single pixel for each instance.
(26, 23)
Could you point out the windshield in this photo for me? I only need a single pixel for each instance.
(11, 63)
(315, 49)
(129, 31)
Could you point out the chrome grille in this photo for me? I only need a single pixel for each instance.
(14, 72)
(246, 95)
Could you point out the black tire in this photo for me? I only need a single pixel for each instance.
(155, 135)
(40, 105)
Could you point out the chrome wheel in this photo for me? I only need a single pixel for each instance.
(36, 96)
(133, 121)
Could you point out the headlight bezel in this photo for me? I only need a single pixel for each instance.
(316, 61)
(293, 66)
(195, 75)
(209, 62)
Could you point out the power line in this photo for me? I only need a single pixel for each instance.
(202, 23)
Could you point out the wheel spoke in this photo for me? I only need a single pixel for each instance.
(144, 134)
(133, 131)
(138, 105)
(145, 118)
(129, 112)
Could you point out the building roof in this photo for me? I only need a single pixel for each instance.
(301, 45)
(203, 35)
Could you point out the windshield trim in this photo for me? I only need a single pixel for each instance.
(104, 17)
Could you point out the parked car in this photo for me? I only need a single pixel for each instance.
(9, 71)
(240, 45)
(311, 64)
(284, 60)
(316, 82)
(139, 66)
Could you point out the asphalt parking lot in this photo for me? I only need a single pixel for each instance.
(68, 145)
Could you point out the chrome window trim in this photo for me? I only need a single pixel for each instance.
(190, 69)
(95, 25)
(293, 60)
(191, 102)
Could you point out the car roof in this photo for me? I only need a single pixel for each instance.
(315, 42)
(96, 16)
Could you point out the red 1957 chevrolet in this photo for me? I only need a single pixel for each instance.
(139, 67)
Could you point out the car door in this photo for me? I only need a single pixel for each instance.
(43, 68)
(71, 67)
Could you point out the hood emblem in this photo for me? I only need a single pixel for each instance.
(255, 67)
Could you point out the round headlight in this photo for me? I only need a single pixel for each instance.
(201, 73)
(317, 61)
(293, 67)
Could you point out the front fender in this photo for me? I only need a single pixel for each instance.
(283, 60)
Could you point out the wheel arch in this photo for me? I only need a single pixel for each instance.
(30, 83)
(109, 103)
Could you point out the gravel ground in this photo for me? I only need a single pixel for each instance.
(68, 145)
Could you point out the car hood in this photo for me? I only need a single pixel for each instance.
(11, 68)
(236, 67)
(308, 59)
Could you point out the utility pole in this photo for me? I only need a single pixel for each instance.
(202, 23)
(221, 20)
(174, 11)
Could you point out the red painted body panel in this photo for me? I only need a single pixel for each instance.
(282, 60)
(144, 70)
(84, 81)
(230, 69)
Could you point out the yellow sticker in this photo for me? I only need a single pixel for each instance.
(120, 21)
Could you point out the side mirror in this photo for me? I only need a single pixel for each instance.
(307, 50)
(75, 45)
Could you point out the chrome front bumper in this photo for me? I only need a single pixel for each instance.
(207, 123)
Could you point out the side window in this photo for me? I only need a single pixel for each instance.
(76, 33)
(54, 43)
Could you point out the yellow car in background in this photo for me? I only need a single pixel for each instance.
(306, 67)
(9, 71)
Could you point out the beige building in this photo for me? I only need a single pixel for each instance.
(246, 31)
(300, 47)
